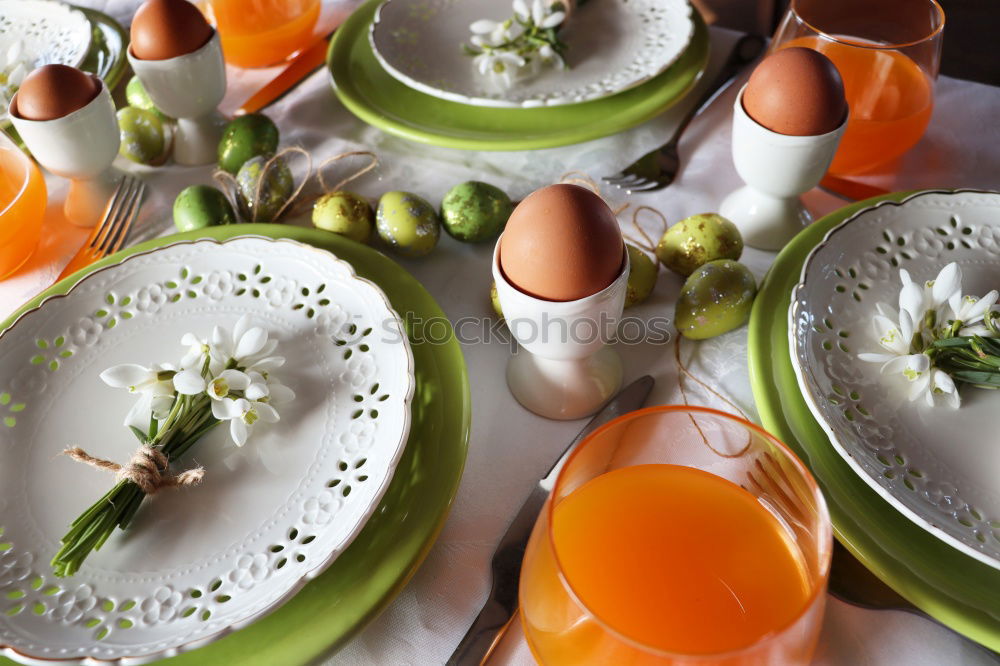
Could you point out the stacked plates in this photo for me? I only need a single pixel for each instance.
(399, 65)
(913, 490)
(345, 493)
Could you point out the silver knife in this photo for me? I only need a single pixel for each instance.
(487, 629)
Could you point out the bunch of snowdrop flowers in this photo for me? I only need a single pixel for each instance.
(939, 337)
(503, 49)
(227, 378)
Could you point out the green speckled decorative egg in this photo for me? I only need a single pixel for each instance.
(641, 276)
(144, 139)
(136, 95)
(245, 137)
(201, 206)
(473, 212)
(407, 223)
(277, 188)
(495, 300)
(344, 213)
(698, 239)
(715, 299)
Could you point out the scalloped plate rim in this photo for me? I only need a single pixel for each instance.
(69, 9)
(501, 103)
(811, 401)
(307, 575)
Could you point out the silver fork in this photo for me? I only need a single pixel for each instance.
(658, 168)
(110, 233)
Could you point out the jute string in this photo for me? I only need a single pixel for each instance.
(147, 469)
(373, 162)
(229, 184)
(682, 372)
(646, 243)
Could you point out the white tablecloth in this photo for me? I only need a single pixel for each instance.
(510, 448)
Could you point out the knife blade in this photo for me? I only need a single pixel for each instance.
(486, 630)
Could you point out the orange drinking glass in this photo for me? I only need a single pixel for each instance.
(258, 33)
(888, 53)
(22, 206)
(678, 535)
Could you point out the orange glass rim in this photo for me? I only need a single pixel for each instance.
(821, 508)
(939, 11)
(26, 165)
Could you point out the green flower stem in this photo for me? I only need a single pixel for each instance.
(189, 419)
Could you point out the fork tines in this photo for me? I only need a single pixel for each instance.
(118, 216)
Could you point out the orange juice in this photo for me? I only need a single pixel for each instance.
(676, 559)
(890, 99)
(22, 206)
(257, 33)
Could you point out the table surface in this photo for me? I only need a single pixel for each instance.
(511, 448)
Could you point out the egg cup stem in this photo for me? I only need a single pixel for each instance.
(564, 389)
(777, 169)
(196, 141)
(88, 198)
(563, 369)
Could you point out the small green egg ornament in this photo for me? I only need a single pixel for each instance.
(143, 136)
(201, 206)
(715, 299)
(245, 137)
(641, 276)
(407, 223)
(495, 299)
(473, 212)
(698, 239)
(264, 202)
(344, 213)
(136, 95)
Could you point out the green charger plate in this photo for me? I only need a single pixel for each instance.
(373, 95)
(955, 589)
(106, 57)
(368, 575)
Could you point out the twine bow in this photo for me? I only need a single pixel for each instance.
(357, 174)
(229, 184)
(147, 469)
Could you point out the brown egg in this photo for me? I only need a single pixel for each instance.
(561, 243)
(165, 29)
(54, 91)
(796, 91)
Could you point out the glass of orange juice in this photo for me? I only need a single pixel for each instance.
(258, 33)
(888, 53)
(678, 535)
(22, 206)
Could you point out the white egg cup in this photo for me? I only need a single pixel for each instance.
(189, 88)
(563, 370)
(776, 168)
(79, 146)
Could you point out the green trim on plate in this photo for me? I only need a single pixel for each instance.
(367, 576)
(954, 588)
(373, 95)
